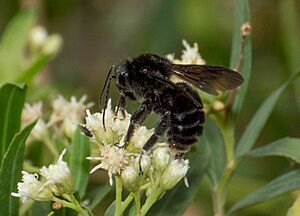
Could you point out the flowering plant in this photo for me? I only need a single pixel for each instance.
(51, 156)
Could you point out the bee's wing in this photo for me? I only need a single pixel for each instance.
(172, 85)
(209, 78)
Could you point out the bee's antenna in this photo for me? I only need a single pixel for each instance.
(105, 83)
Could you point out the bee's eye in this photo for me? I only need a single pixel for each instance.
(121, 78)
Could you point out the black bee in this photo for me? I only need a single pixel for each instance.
(147, 78)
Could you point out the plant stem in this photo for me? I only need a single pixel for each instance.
(219, 192)
(64, 203)
(151, 200)
(77, 206)
(127, 201)
(228, 136)
(51, 148)
(118, 195)
(137, 203)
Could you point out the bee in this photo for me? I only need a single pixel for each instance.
(147, 78)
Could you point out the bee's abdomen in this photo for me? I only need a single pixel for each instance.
(186, 121)
(185, 127)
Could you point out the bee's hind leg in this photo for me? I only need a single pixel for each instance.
(159, 130)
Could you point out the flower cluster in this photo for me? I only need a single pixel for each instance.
(64, 118)
(147, 171)
(41, 43)
(56, 181)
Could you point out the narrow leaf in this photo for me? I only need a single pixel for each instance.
(285, 183)
(181, 196)
(12, 44)
(34, 68)
(216, 151)
(110, 211)
(99, 196)
(11, 104)
(242, 15)
(286, 147)
(295, 209)
(10, 172)
(259, 120)
(79, 165)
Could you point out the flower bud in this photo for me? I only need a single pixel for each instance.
(130, 178)
(218, 105)
(52, 45)
(161, 158)
(37, 37)
(174, 173)
(143, 162)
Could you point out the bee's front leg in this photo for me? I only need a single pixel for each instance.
(121, 107)
(137, 118)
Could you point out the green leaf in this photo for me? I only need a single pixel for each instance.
(40, 208)
(79, 165)
(289, 29)
(99, 195)
(110, 211)
(11, 104)
(10, 172)
(242, 15)
(12, 45)
(216, 151)
(36, 66)
(259, 120)
(295, 209)
(132, 211)
(285, 183)
(175, 201)
(286, 147)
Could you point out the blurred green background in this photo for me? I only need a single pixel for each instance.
(100, 33)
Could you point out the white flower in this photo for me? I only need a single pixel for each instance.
(67, 114)
(58, 176)
(115, 126)
(161, 158)
(170, 56)
(174, 173)
(191, 55)
(130, 178)
(31, 113)
(37, 36)
(52, 45)
(141, 136)
(113, 159)
(32, 188)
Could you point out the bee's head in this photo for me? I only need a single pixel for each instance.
(122, 76)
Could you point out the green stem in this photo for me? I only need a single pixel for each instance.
(51, 148)
(137, 200)
(64, 203)
(118, 196)
(126, 202)
(219, 193)
(228, 135)
(76, 204)
(151, 200)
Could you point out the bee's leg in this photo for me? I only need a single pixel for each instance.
(121, 107)
(159, 130)
(137, 118)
